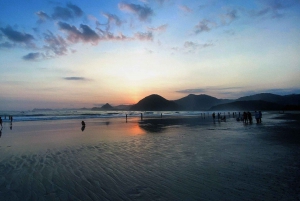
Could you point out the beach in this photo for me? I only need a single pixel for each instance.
(168, 158)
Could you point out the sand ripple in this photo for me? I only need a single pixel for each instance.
(181, 164)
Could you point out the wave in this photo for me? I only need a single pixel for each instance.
(88, 114)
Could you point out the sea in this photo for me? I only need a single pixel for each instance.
(69, 114)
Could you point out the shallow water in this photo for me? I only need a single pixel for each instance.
(156, 159)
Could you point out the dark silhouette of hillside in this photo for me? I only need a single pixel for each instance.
(247, 106)
(263, 101)
(293, 99)
(122, 107)
(104, 107)
(199, 102)
(155, 102)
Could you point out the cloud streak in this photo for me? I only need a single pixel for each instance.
(75, 78)
(86, 34)
(32, 56)
(143, 12)
(17, 36)
(204, 26)
(66, 13)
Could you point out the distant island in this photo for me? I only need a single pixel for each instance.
(203, 102)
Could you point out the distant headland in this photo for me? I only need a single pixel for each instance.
(202, 102)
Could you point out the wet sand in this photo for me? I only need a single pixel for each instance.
(157, 159)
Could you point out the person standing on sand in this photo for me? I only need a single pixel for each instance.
(249, 116)
(256, 116)
(213, 116)
(1, 122)
(245, 119)
(259, 116)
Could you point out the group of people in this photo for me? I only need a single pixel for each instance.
(258, 116)
(10, 119)
(220, 117)
(247, 117)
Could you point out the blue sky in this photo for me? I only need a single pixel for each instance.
(62, 54)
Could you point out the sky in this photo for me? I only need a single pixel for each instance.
(73, 54)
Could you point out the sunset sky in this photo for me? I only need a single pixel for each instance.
(71, 54)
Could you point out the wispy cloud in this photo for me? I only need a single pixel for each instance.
(229, 16)
(144, 36)
(55, 45)
(143, 12)
(204, 26)
(32, 56)
(111, 20)
(209, 90)
(42, 16)
(17, 36)
(161, 28)
(66, 13)
(86, 34)
(75, 78)
(185, 9)
(189, 44)
(6, 45)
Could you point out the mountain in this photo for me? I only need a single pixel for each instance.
(155, 102)
(122, 107)
(199, 102)
(247, 106)
(104, 107)
(293, 99)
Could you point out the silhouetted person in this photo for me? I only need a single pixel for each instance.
(245, 119)
(213, 116)
(256, 114)
(1, 122)
(82, 125)
(259, 116)
(249, 116)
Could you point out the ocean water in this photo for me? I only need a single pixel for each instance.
(42, 115)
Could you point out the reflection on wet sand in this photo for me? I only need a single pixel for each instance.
(159, 125)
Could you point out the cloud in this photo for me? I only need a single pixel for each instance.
(74, 35)
(273, 8)
(185, 9)
(192, 91)
(144, 36)
(6, 45)
(32, 56)
(158, 1)
(112, 19)
(161, 28)
(204, 25)
(143, 12)
(209, 89)
(55, 44)
(76, 10)
(192, 46)
(75, 78)
(17, 36)
(229, 17)
(42, 16)
(66, 13)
